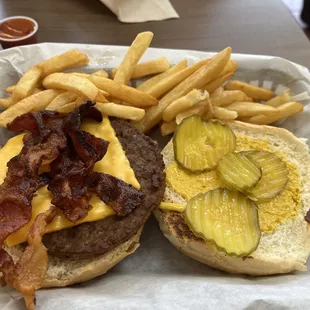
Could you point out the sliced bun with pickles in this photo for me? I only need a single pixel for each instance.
(237, 196)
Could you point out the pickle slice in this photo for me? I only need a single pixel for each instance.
(239, 171)
(227, 217)
(198, 144)
(274, 176)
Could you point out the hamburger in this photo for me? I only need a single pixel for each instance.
(237, 196)
(96, 185)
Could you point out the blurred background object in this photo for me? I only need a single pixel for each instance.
(300, 9)
(263, 27)
(18, 30)
(137, 11)
(305, 14)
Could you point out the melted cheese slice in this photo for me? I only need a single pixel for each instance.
(114, 162)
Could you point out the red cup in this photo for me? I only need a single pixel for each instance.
(18, 30)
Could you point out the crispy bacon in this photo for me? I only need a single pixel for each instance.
(70, 170)
(72, 155)
(88, 148)
(122, 197)
(36, 123)
(68, 186)
(73, 121)
(43, 143)
(22, 179)
(28, 274)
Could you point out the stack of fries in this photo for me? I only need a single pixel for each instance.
(167, 97)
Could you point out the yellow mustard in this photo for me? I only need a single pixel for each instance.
(271, 214)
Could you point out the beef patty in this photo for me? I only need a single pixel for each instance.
(96, 238)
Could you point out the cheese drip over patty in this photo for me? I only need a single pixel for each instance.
(114, 163)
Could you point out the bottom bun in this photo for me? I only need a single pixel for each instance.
(282, 251)
(207, 253)
(64, 272)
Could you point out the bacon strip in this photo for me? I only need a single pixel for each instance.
(72, 178)
(22, 179)
(36, 123)
(72, 154)
(73, 121)
(70, 170)
(43, 143)
(68, 186)
(29, 272)
(122, 197)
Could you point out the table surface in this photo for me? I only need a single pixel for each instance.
(248, 26)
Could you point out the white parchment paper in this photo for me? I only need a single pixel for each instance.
(157, 276)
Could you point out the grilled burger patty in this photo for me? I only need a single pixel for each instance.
(97, 238)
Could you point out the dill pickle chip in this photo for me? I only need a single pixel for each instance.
(226, 217)
(198, 144)
(239, 171)
(274, 176)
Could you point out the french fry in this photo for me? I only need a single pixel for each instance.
(183, 103)
(283, 111)
(102, 73)
(157, 78)
(120, 111)
(26, 84)
(109, 108)
(32, 103)
(251, 109)
(208, 108)
(168, 83)
(62, 62)
(154, 66)
(231, 66)
(218, 92)
(224, 114)
(37, 90)
(86, 75)
(131, 95)
(79, 101)
(284, 97)
(228, 97)
(62, 100)
(197, 109)
(212, 86)
(68, 108)
(81, 86)
(83, 75)
(168, 128)
(257, 93)
(196, 80)
(132, 57)
(6, 102)
(101, 97)
(10, 89)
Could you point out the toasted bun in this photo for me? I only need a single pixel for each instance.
(283, 251)
(63, 272)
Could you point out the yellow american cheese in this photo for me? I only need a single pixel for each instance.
(114, 162)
